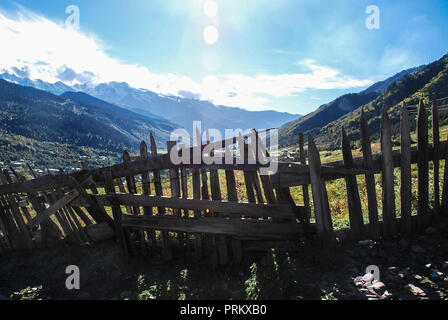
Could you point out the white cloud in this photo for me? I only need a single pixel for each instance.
(48, 51)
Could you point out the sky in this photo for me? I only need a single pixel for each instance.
(286, 55)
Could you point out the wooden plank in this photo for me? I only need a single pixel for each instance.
(166, 245)
(220, 241)
(66, 199)
(94, 209)
(60, 217)
(117, 214)
(197, 213)
(305, 191)
(24, 232)
(354, 201)
(262, 229)
(175, 193)
(132, 188)
(122, 189)
(249, 209)
(320, 198)
(444, 204)
(207, 239)
(387, 176)
(422, 164)
(146, 186)
(82, 215)
(405, 175)
(435, 157)
(370, 178)
(232, 195)
(13, 232)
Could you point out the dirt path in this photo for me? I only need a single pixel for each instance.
(409, 268)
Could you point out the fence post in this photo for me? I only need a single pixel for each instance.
(320, 197)
(354, 202)
(370, 178)
(405, 163)
(166, 245)
(130, 182)
(305, 191)
(422, 163)
(147, 191)
(117, 214)
(435, 143)
(387, 167)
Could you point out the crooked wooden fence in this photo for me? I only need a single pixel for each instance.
(194, 221)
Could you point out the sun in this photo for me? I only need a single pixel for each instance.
(211, 35)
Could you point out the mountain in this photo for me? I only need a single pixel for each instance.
(429, 80)
(70, 125)
(177, 109)
(55, 88)
(186, 110)
(337, 108)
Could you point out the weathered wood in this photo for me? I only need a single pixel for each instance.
(20, 223)
(132, 188)
(387, 175)
(146, 186)
(66, 199)
(435, 157)
(87, 221)
(167, 251)
(175, 193)
(94, 210)
(354, 201)
(406, 178)
(370, 178)
(422, 163)
(220, 226)
(13, 232)
(226, 207)
(305, 191)
(444, 204)
(320, 198)
(122, 189)
(117, 214)
(215, 188)
(60, 217)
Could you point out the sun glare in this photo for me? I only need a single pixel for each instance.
(210, 8)
(211, 35)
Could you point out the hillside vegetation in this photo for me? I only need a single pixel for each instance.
(431, 80)
(48, 129)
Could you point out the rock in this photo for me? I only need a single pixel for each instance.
(377, 285)
(366, 242)
(386, 295)
(418, 278)
(416, 290)
(417, 249)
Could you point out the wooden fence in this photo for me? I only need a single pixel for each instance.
(204, 215)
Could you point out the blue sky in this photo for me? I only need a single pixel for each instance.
(287, 55)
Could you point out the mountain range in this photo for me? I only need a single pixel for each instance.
(176, 109)
(341, 106)
(49, 129)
